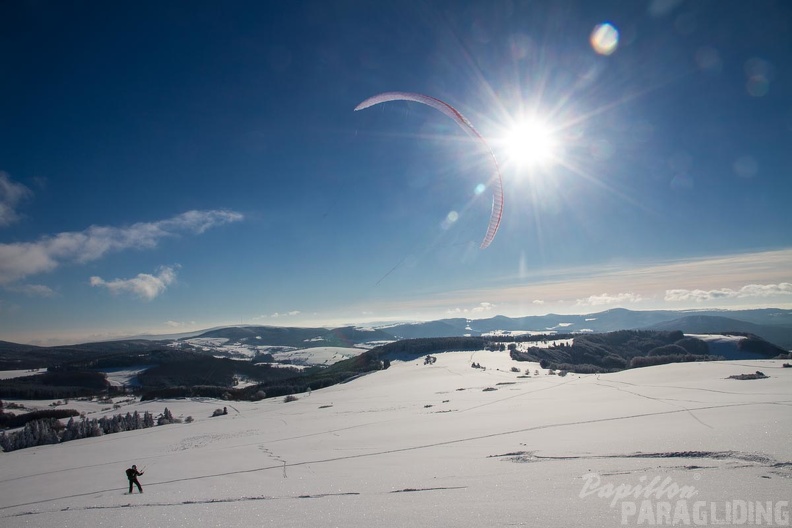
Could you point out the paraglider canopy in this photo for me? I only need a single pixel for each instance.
(495, 182)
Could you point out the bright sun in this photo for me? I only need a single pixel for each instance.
(530, 143)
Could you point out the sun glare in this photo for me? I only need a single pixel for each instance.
(530, 143)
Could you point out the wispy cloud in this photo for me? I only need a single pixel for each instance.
(20, 260)
(292, 313)
(144, 286)
(478, 309)
(11, 194)
(759, 291)
(179, 324)
(646, 286)
(32, 290)
(606, 299)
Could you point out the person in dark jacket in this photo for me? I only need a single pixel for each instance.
(132, 475)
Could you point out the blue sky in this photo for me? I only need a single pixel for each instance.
(171, 166)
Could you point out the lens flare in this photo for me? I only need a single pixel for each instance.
(604, 39)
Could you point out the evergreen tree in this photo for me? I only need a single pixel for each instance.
(137, 421)
(93, 428)
(166, 418)
(69, 431)
(5, 442)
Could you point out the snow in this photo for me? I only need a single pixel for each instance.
(9, 374)
(288, 356)
(316, 355)
(92, 408)
(717, 337)
(545, 343)
(427, 445)
(127, 376)
(498, 333)
(207, 341)
(223, 346)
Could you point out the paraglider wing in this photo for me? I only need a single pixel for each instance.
(496, 181)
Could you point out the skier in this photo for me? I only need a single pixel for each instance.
(132, 475)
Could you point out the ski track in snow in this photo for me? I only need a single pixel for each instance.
(231, 500)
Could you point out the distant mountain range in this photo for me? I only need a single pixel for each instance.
(252, 362)
(773, 325)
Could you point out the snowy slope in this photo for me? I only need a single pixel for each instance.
(431, 445)
(317, 355)
(19, 373)
(288, 355)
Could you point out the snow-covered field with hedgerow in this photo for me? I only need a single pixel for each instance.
(441, 445)
(285, 355)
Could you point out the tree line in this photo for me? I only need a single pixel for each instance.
(51, 430)
(614, 351)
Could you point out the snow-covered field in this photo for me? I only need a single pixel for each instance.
(282, 354)
(317, 356)
(441, 445)
(119, 377)
(223, 347)
(10, 374)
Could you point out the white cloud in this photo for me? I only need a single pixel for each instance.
(145, 286)
(286, 314)
(20, 260)
(11, 194)
(605, 299)
(482, 307)
(747, 291)
(538, 302)
(177, 324)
